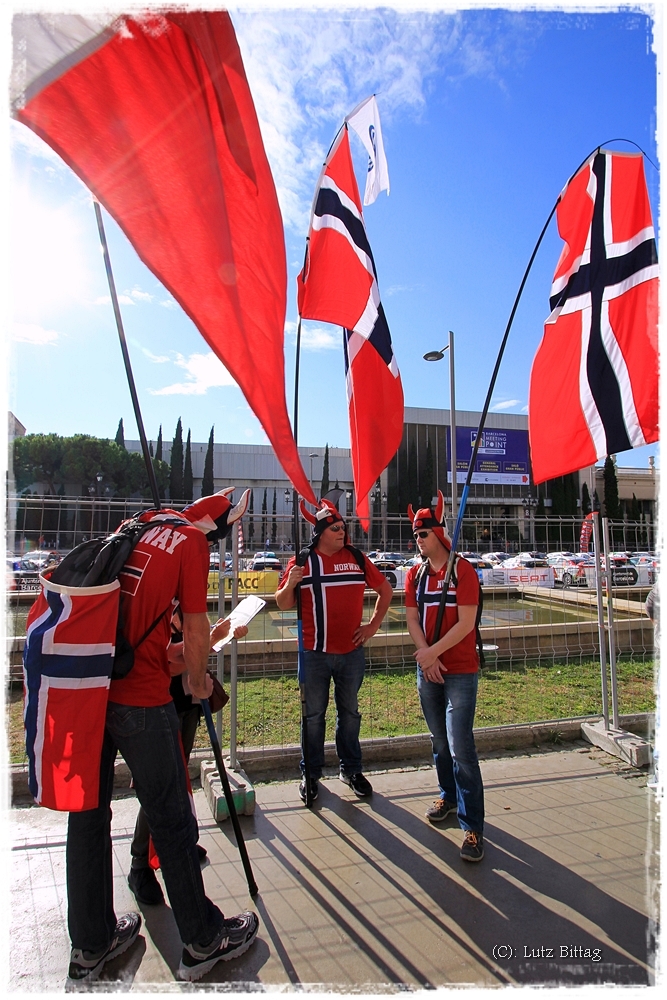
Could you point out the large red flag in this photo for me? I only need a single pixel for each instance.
(339, 285)
(594, 383)
(154, 114)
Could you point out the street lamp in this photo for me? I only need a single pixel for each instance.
(312, 455)
(438, 356)
(529, 504)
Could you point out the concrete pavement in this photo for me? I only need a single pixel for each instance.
(366, 896)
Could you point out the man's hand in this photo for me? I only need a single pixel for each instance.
(202, 689)
(295, 577)
(221, 630)
(286, 595)
(430, 665)
(363, 634)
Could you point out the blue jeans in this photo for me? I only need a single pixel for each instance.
(347, 670)
(148, 741)
(449, 711)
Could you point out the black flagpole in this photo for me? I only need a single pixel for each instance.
(126, 358)
(487, 403)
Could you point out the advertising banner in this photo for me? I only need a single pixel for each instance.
(502, 457)
(261, 582)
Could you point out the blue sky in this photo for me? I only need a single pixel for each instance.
(485, 114)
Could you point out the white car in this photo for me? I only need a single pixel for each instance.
(569, 568)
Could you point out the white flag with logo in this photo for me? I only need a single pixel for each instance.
(365, 120)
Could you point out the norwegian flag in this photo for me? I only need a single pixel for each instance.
(594, 382)
(66, 685)
(338, 285)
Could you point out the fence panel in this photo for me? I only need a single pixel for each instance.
(542, 659)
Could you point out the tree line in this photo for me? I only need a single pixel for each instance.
(95, 466)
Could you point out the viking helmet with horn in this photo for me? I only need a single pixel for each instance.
(214, 515)
(326, 515)
(426, 517)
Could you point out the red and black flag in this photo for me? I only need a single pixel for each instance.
(339, 285)
(594, 382)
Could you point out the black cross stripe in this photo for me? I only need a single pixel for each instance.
(329, 203)
(593, 279)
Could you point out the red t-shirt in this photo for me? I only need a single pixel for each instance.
(461, 658)
(169, 564)
(332, 599)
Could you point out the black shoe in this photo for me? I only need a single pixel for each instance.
(313, 789)
(85, 966)
(237, 934)
(203, 856)
(359, 783)
(472, 848)
(440, 810)
(145, 886)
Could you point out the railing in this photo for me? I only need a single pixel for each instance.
(542, 642)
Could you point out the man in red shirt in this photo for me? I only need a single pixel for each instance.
(333, 581)
(169, 564)
(447, 671)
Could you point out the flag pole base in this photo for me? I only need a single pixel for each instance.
(243, 792)
(630, 748)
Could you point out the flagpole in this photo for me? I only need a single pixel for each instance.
(487, 403)
(150, 469)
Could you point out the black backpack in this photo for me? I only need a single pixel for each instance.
(420, 583)
(99, 561)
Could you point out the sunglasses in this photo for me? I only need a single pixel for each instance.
(422, 534)
(336, 528)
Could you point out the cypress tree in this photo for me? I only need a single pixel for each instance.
(426, 481)
(158, 445)
(150, 449)
(187, 472)
(251, 519)
(596, 501)
(585, 499)
(120, 434)
(176, 474)
(207, 484)
(611, 504)
(325, 472)
(264, 512)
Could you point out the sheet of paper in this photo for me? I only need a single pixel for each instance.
(242, 614)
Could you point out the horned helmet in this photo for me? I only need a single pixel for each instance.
(426, 517)
(326, 515)
(215, 515)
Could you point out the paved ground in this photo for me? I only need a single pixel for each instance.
(366, 896)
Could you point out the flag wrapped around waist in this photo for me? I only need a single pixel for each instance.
(338, 285)
(597, 366)
(66, 686)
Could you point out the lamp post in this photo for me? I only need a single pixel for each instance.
(438, 356)
(529, 504)
(312, 455)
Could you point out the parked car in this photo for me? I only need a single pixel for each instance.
(531, 560)
(569, 568)
(497, 557)
(266, 562)
(396, 557)
(483, 566)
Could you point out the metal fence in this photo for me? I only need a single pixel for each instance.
(542, 645)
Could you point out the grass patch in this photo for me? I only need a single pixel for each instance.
(269, 710)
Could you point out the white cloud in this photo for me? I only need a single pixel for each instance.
(308, 69)
(157, 359)
(203, 372)
(169, 304)
(33, 333)
(396, 289)
(140, 296)
(506, 404)
(316, 338)
(105, 300)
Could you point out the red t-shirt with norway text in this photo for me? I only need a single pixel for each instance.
(461, 658)
(332, 599)
(169, 564)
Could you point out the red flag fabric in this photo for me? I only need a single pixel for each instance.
(154, 114)
(594, 382)
(339, 285)
(586, 533)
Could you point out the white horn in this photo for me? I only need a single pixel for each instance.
(240, 508)
(225, 493)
